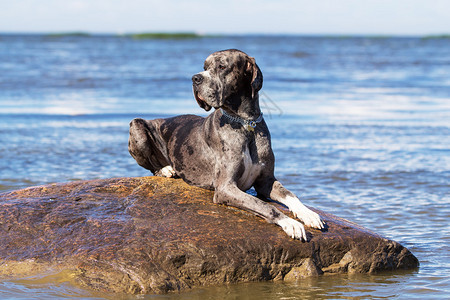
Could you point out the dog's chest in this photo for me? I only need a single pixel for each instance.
(251, 171)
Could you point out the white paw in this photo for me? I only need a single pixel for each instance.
(293, 228)
(309, 218)
(167, 171)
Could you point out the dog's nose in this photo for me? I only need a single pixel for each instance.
(197, 79)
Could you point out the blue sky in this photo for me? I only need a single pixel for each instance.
(397, 17)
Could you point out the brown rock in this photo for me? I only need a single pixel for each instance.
(153, 235)
(307, 269)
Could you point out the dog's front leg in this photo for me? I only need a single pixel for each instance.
(274, 190)
(231, 195)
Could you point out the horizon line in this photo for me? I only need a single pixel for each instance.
(219, 34)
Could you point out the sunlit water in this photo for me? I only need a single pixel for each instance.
(360, 129)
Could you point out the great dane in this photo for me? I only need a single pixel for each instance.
(229, 151)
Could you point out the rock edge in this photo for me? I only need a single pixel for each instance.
(154, 235)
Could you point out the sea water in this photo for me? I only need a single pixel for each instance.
(360, 128)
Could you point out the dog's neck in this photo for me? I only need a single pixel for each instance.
(247, 109)
(248, 114)
(247, 124)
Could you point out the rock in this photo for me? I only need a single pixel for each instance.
(154, 235)
(307, 269)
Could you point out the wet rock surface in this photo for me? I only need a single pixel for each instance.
(154, 235)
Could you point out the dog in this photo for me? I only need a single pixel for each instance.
(229, 151)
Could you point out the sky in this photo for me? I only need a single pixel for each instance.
(370, 17)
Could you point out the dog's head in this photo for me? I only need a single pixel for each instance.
(230, 77)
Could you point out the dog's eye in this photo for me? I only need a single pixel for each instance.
(222, 67)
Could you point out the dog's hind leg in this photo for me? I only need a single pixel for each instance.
(167, 171)
(147, 147)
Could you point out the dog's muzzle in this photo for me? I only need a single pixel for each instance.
(197, 79)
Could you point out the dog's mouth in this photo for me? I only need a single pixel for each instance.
(201, 102)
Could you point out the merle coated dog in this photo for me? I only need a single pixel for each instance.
(229, 151)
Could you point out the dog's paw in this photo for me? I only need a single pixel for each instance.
(293, 228)
(309, 218)
(167, 171)
(304, 214)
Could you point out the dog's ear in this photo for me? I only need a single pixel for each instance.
(257, 77)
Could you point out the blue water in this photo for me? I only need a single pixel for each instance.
(360, 128)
